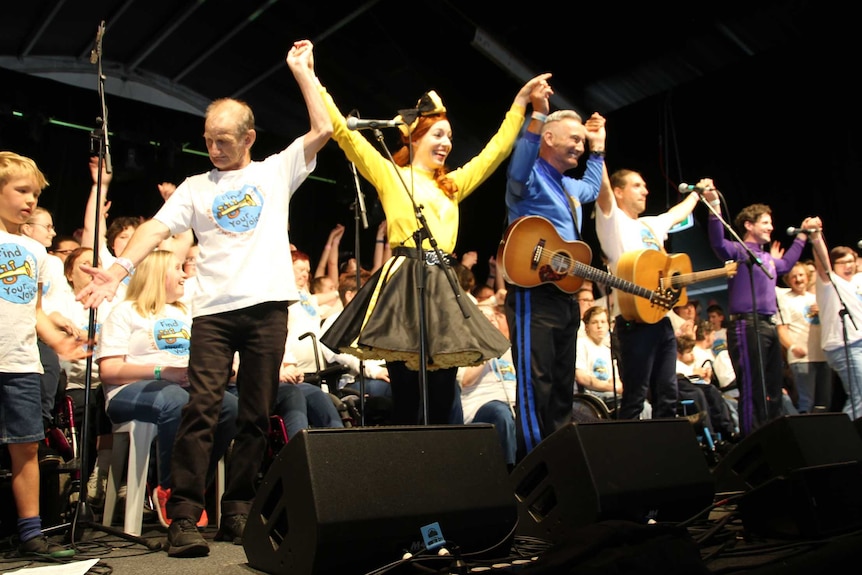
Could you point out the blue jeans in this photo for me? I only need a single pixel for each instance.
(321, 410)
(290, 405)
(50, 380)
(813, 384)
(850, 374)
(161, 402)
(498, 413)
(373, 388)
(20, 408)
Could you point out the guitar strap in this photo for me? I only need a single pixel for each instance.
(655, 235)
(573, 209)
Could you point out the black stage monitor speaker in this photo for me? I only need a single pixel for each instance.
(352, 500)
(785, 444)
(630, 470)
(809, 502)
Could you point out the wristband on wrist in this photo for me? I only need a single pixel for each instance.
(381, 241)
(539, 116)
(157, 373)
(126, 264)
(597, 153)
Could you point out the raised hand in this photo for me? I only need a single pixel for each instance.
(596, 133)
(166, 190)
(525, 94)
(299, 57)
(94, 171)
(776, 251)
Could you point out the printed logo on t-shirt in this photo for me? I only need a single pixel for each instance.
(649, 241)
(172, 335)
(238, 211)
(505, 369)
(306, 304)
(18, 274)
(601, 370)
(811, 316)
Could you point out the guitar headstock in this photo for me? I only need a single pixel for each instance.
(730, 268)
(665, 298)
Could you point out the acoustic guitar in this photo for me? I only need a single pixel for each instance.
(532, 253)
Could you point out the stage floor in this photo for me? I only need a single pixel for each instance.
(726, 549)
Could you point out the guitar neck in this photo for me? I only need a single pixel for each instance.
(683, 280)
(599, 276)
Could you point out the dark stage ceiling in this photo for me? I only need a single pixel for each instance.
(754, 94)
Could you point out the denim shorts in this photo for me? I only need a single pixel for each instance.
(20, 408)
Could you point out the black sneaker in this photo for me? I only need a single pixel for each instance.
(184, 539)
(41, 547)
(231, 528)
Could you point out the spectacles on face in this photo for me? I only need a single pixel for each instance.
(49, 227)
(64, 252)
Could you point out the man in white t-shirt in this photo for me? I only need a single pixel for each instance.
(239, 213)
(647, 351)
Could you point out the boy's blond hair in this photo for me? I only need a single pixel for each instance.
(13, 165)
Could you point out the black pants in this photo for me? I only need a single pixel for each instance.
(407, 395)
(543, 328)
(258, 333)
(759, 398)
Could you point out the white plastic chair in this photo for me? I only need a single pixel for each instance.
(131, 451)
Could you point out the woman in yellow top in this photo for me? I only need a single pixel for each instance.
(383, 320)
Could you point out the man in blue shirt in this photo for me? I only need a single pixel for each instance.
(544, 319)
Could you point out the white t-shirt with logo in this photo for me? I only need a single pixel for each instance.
(161, 339)
(240, 218)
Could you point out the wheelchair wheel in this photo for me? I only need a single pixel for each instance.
(587, 407)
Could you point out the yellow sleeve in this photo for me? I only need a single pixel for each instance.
(369, 162)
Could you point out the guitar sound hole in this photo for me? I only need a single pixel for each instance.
(560, 263)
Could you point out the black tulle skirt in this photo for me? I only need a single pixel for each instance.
(382, 321)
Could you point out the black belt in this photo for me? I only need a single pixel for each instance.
(752, 316)
(430, 256)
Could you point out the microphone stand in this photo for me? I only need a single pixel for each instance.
(83, 515)
(751, 261)
(359, 213)
(422, 232)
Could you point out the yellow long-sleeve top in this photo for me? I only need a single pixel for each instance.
(440, 211)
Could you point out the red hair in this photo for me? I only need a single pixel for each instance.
(402, 156)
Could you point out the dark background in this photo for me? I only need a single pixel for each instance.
(756, 95)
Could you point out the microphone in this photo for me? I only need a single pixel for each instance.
(791, 231)
(97, 46)
(683, 188)
(859, 244)
(357, 124)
